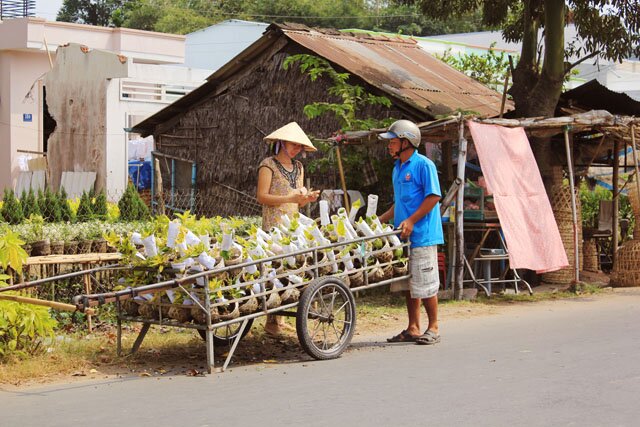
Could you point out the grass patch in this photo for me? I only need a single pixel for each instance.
(92, 355)
(580, 290)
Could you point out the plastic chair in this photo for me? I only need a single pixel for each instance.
(442, 268)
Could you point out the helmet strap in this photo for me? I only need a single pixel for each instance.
(408, 147)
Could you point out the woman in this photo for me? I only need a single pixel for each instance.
(280, 187)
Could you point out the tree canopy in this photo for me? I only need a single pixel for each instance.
(606, 28)
(184, 16)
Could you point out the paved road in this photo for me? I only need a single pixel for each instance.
(572, 362)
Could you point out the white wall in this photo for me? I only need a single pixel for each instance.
(118, 109)
(19, 72)
(214, 46)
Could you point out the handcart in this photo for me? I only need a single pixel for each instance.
(319, 297)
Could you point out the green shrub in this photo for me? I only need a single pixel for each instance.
(23, 328)
(590, 200)
(131, 206)
(65, 210)
(11, 208)
(30, 205)
(100, 207)
(41, 202)
(51, 211)
(85, 211)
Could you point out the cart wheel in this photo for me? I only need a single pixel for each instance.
(225, 335)
(326, 318)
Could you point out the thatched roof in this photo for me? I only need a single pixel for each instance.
(412, 78)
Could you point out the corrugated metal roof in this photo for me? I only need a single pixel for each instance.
(398, 67)
(402, 69)
(594, 95)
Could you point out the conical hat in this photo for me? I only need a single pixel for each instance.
(291, 133)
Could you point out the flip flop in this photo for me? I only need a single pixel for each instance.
(403, 336)
(428, 338)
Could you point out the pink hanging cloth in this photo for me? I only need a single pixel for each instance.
(526, 218)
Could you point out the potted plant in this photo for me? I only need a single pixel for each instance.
(26, 234)
(70, 235)
(55, 234)
(41, 245)
(94, 233)
(84, 242)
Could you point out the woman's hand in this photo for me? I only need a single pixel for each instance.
(298, 196)
(303, 196)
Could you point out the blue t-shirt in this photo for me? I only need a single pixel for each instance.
(413, 181)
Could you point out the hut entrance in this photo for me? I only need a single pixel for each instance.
(174, 189)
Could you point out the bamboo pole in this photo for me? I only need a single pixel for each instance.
(574, 213)
(459, 241)
(45, 303)
(504, 92)
(342, 180)
(615, 201)
(158, 186)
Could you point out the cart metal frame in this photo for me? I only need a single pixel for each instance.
(321, 284)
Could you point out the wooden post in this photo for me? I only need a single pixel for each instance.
(308, 207)
(459, 241)
(449, 231)
(158, 184)
(574, 213)
(615, 201)
(87, 291)
(342, 180)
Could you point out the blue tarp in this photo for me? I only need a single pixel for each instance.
(140, 174)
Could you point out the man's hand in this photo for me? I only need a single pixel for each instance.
(407, 228)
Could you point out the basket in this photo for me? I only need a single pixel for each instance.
(84, 246)
(99, 246)
(57, 247)
(130, 306)
(218, 314)
(181, 313)
(400, 269)
(273, 301)
(249, 306)
(41, 248)
(234, 261)
(561, 205)
(590, 252)
(635, 206)
(356, 279)
(149, 310)
(71, 248)
(626, 271)
(290, 295)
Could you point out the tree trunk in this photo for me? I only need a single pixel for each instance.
(537, 93)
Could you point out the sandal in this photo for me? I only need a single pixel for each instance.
(428, 338)
(403, 336)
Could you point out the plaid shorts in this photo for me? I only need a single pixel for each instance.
(425, 280)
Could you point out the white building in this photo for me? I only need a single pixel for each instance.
(214, 46)
(99, 101)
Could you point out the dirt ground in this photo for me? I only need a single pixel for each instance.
(171, 351)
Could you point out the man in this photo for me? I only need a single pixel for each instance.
(416, 211)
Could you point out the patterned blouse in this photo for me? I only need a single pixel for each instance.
(283, 182)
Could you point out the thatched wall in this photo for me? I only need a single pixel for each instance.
(223, 134)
